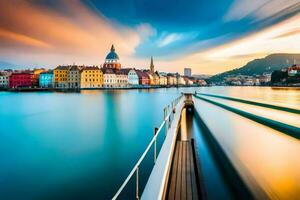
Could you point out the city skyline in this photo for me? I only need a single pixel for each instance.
(60, 32)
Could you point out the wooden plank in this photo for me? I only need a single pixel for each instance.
(178, 179)
(183, 178)
(189, 173)
(174, 173)
(183, 170)
(193, 177)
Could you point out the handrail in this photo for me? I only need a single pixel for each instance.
(272, 106)
(136, 166)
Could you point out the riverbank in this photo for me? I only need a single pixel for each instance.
(79, 89)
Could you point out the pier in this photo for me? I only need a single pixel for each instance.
(203, 157)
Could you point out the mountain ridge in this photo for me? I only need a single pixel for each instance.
(259, 66)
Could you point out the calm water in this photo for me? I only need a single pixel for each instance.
(83, 145)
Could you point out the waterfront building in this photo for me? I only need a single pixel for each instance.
(133, 78)
(187, 72)
(4, 79)
(155, 78)
(180, 80)
(162, 79)
(265, 78)
(109, 78)
(171, 79)
(248, 82)
(151, 79)
(74, 77)
(122, 77)
(46, 79)
(61, 76)
(91, 77)
(112, 60)
(187, 81)
(202, 82)
(21, 79)
(143, 77)
(36, 76)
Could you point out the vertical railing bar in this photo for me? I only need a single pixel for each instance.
(165, 114)
(170, 117)
(155, 131)
(137, 183)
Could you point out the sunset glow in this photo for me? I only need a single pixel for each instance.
(36, 34)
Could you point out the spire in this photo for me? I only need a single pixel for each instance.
(151, 65)
(112, 48)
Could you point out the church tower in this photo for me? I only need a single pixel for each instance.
(152, 66)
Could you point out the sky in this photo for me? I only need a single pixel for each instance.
(209, 36)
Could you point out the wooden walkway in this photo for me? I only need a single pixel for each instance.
(182, 181)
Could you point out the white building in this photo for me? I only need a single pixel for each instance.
(171, 79)
(133, 78)
(189, 82)
(180, 80)
(162, 79)
(4, 79)
(109, 78)
(121, 77)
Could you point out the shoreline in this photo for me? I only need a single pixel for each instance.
(130, 88)
(102, 88)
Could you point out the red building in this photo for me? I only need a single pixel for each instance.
(21, 79)
(144, 78)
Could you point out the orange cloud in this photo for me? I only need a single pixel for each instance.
(76, 35)
(23, 39)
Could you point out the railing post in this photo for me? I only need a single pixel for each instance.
(137, 183)
(155, 131)
(169, 121)
(165, 115)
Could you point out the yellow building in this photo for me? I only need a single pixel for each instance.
(61, 76)
(91, 77)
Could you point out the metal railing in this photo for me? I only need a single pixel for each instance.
(169, 112)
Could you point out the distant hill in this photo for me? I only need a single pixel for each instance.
(259, 66)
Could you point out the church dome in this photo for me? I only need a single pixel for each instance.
(112, 60)
(112, 55)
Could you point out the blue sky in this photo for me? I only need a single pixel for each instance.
(47, 33)
(180, 25)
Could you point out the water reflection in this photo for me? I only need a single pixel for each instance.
(265, 158)
(277, 115)
(56, 145)
(287, 97)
